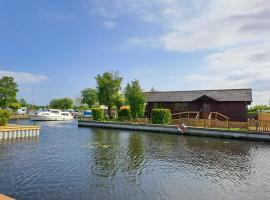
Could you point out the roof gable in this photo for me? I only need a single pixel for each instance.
(242, 95)
(204, 98)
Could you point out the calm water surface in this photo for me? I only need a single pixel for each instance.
(68, 162)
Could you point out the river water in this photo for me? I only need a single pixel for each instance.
(67, 162)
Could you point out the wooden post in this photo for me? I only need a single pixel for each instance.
(3, 197)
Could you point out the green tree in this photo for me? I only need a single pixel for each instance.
(89, 96)
(135, 98)
(23, 102)
(15, 105)
(257, 108)
(108, 86)
(64, 103)
(119, 100)
(8, 91)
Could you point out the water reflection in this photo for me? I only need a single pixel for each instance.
(105, 151)
(81, 163)
(135, 153)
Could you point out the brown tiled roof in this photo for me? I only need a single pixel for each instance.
(187, 96)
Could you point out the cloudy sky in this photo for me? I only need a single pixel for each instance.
(54, 48)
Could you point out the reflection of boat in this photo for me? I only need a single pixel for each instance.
(51, 115)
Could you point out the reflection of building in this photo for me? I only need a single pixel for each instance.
(216, 157)
(231, 102)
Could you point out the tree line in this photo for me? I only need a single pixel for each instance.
(108, 93)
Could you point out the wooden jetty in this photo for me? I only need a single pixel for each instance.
(13, 131)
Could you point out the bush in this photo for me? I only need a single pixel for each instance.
(15, 106)
(161, 116)
(124, 114)
(98, 114)
(4, 117)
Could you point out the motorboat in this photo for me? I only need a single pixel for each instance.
(51, 115)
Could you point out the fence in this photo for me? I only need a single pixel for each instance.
(251, 125)
(264, 116)
(259, 125)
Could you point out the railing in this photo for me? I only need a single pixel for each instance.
(189, 115)
(218, 119)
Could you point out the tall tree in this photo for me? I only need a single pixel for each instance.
(89, 96)
(8, 91)
(136, 98)
(108, 86)
(64, 103)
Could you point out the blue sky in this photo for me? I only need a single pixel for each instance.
(56, 47)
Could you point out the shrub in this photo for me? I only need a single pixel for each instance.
(98, 114)
(124, 114)
(161, 116)
(4, 117)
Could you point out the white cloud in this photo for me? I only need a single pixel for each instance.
(225, 23)
(109, 24)
(237, 33)
(23, 77)
(241, 67)
(190, 25)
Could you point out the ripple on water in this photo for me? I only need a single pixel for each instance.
(67, 162)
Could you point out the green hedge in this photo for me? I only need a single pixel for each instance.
(161, 116)
(4, 117)
(98, 114)
(124, 114)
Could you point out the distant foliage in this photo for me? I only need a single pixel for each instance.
(89, 97)
(15, 106)
(124, 114)
(108, 86)
(135, 98)
(64, 103)
(98, 114)
(4, 117)
(23, 102)
(161, 116)
(119, 101)
(257, 108)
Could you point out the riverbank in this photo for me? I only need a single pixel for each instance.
(172, 129)
(20, 117)
(13, 131)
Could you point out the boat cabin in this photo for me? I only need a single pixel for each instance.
(232, 103)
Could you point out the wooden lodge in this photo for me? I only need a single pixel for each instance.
(231, 103)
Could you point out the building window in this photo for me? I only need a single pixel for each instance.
(206, 107)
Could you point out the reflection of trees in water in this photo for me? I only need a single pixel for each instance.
(215, 157)
(203, 155)
(105, 146)
(135, 152)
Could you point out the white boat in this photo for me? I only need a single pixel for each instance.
(51, 115)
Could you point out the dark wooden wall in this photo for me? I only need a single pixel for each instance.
(236, 111)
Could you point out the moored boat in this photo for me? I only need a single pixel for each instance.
(51, 115)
